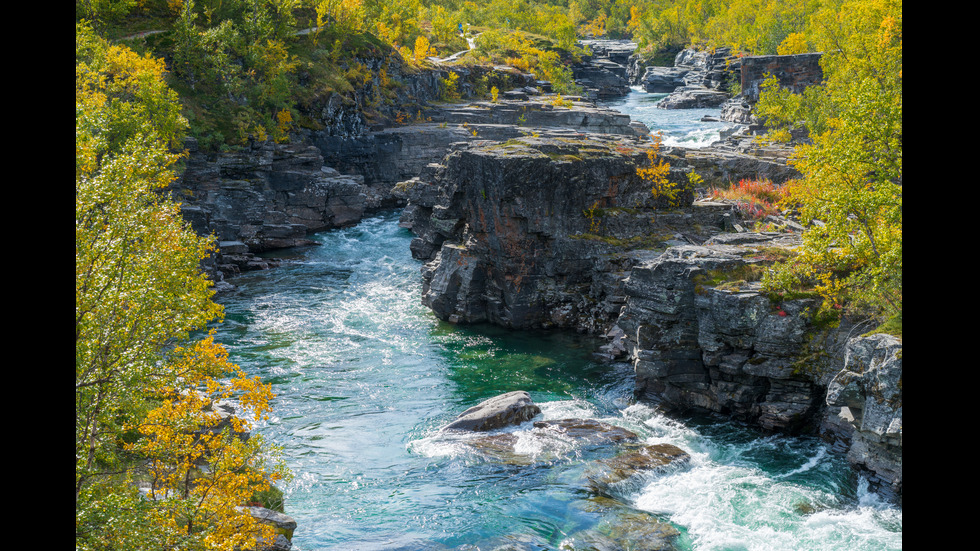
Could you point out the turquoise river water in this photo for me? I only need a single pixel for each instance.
(364, 376)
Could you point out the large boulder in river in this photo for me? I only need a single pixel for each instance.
(693, 97)
(663, 80)
(512, 408)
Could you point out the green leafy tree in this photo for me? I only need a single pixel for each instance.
(102, 12)
(851, 189)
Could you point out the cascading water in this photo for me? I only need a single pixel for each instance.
(364, 376)
(691, 128)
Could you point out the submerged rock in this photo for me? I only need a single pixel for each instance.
(588, 430)
(547, 441)
(622, 528)
(649, 459)
(512, 408)
(503, 448)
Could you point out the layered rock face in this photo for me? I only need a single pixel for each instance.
(724, 348)
(266, 197)
(868, 392)
(702, 337)
(270, 196)
(736, 158)
(793, 72)
(605, 73)
(703, 79)
(698, 79)
(391, 155)
(527, 233)
(500, 232)
(540, 231)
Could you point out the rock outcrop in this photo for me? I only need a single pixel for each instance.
(392, 155)
(702, 336)
(793, 72)
(696, 343)
(698, 79)
(663, 80)
(265, 197)
(604, 73)
(693, 97)
(540, 231)
(269, 196)
(527, 233)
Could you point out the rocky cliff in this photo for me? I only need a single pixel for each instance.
(265, 197)
(701, 78)
(697, 79)
(702, 336)
(536, 231)
(604, 73)
(868, 393)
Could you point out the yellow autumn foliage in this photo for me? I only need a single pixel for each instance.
(657, 172)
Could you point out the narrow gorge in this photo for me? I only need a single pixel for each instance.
(479, 230)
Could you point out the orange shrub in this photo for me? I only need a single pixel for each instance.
(755, 198)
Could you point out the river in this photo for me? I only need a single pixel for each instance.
(680, 127)
(364, 376)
